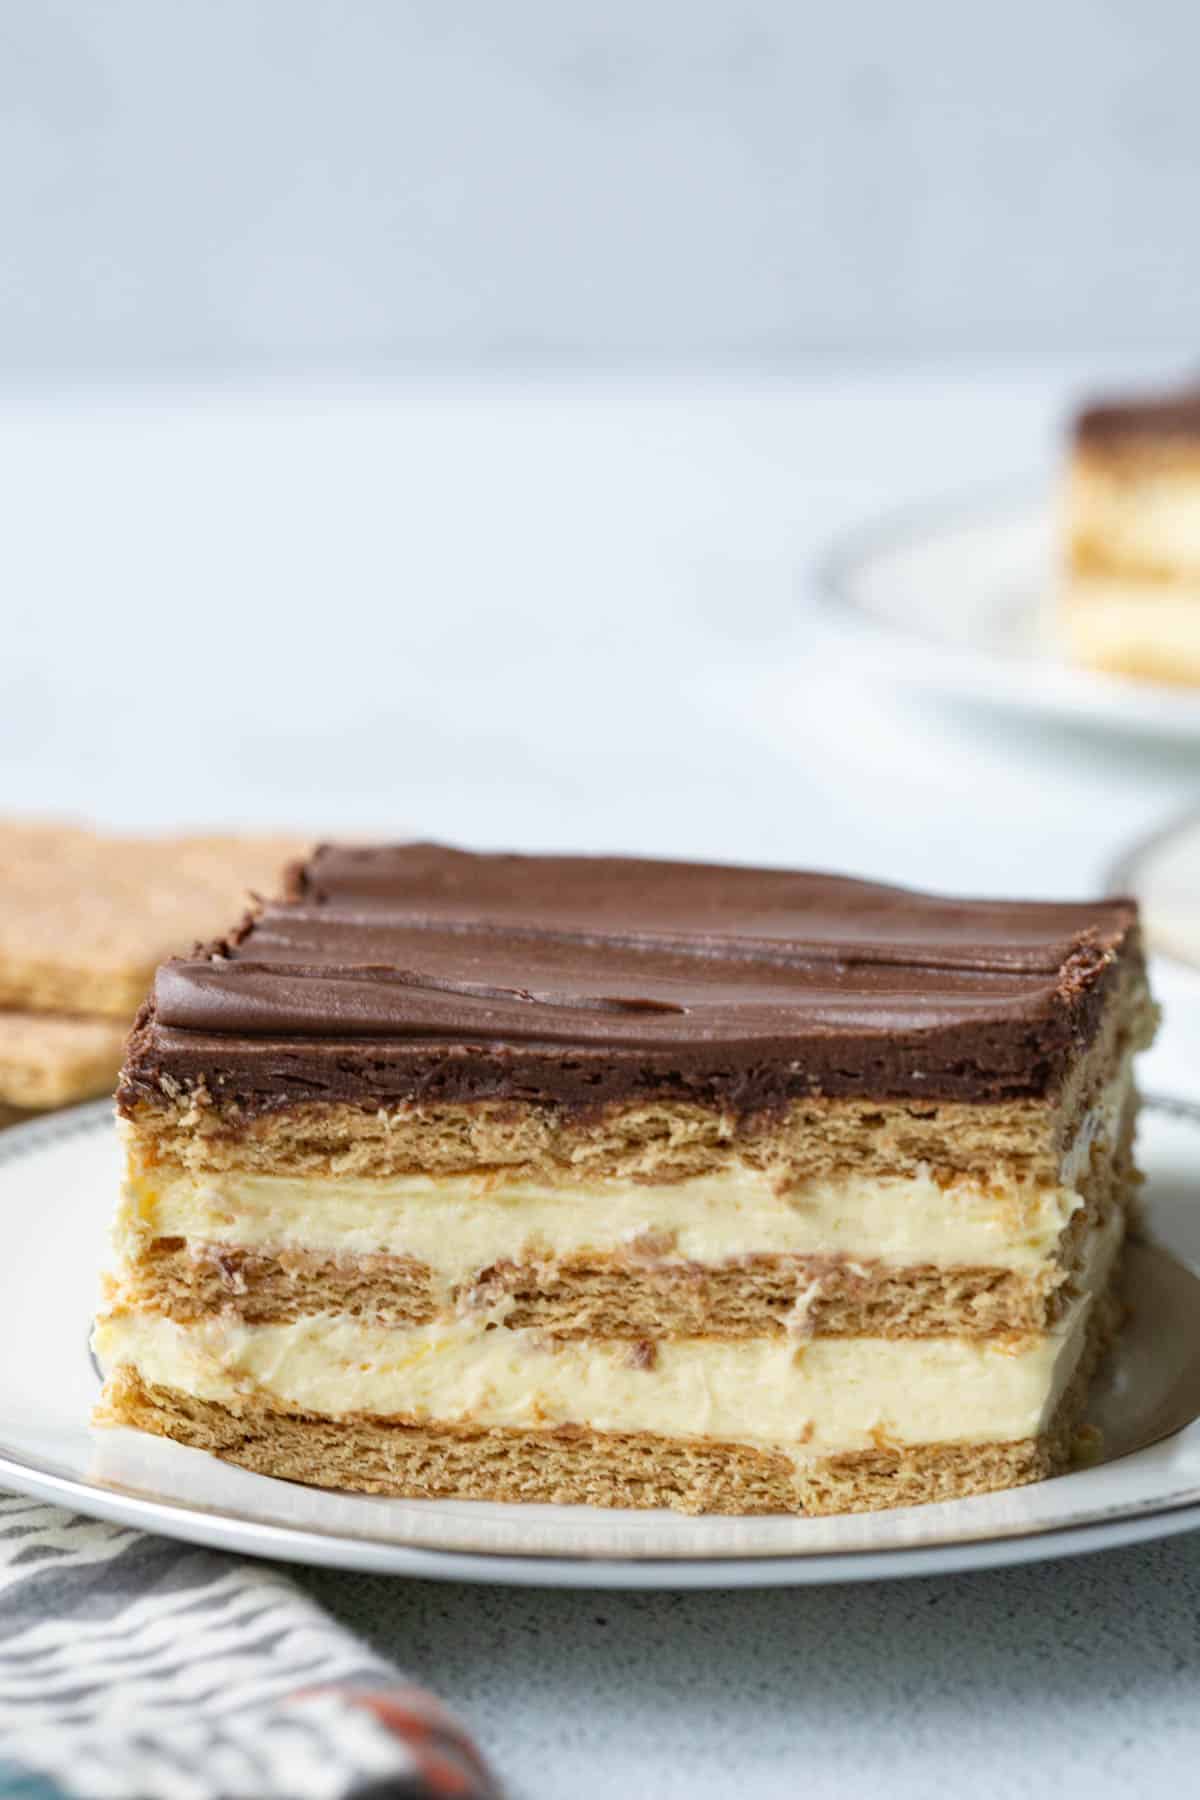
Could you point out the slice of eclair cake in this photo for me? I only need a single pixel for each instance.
(1129, 602)
(627, 1183)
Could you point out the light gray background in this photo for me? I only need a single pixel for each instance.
(1076, 1680)
(339, 181)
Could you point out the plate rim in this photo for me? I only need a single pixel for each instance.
(875, 534)
(232, 1531)
(296, 1544)
(1046, 686)
(1119, 882)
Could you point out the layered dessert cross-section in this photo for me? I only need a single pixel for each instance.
(1131, 600)
(628, 1183)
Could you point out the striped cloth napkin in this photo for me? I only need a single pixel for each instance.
(138, 1668)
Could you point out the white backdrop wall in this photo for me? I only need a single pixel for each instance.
(335, 182)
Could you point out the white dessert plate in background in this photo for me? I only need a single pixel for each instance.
(58, 1181)
(1163, 873)
(957, 598)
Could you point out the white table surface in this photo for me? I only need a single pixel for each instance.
(530, 613)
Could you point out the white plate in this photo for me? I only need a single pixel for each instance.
(1163, 872)
(58, 1179)
(958, 598)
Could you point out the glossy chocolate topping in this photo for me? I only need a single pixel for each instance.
(1170, 416)
(420, 972)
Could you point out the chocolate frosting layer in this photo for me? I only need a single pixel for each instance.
(1171, 416)
(421, 972)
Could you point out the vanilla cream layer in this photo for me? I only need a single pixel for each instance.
(461, 1225)
(1150, 628)
(829, 1395)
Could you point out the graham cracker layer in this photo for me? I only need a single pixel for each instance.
(659, 1142)
(577, 1466)
(51, 1060)
(606, 1296)
(85, 919)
